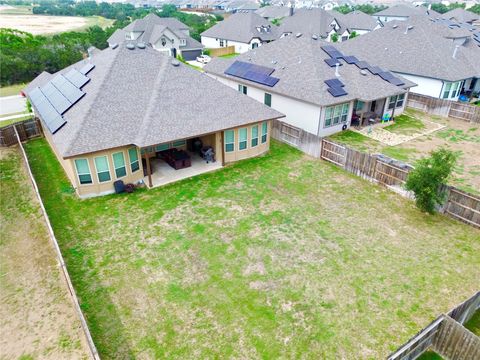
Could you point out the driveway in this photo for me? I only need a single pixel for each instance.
(12, 104)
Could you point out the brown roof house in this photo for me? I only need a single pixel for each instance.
(134, 114)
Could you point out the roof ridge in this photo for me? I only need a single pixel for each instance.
(153, 100)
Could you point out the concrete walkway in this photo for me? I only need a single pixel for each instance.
(12, 104)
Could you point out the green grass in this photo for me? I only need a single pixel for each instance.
(355, 140)
(13, 121)
(18, 10)
(457, 135)
(429, 355)
(11, 90)
(229, 56)
(398, 153)
(474, 323)
(280, 256)
(405, 124)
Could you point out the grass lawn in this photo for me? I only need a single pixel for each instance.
(429, 355)
(406, 124)
(38, 318)
(11, 90)
(474, 323)
(229, 56)
(277, 256)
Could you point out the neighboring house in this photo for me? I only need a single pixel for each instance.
(114, 116)
(163, 34)
(245, 31)
(462, 16)
(355, 21)
(310, 22)
(403, 12)
(241, 6)
(443, 61)
(296, 80)
(275, 12)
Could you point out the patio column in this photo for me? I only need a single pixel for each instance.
(149, 171)
(223, 147)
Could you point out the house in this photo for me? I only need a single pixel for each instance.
(163, 34)
(275, 12)
(134, 114)
(299, 77)
(309, 22)
(245, 31)
(241, 6)
(403, 12)
(462, 16)
(443, 61)
(355, 21)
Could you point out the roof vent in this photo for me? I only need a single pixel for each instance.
(395, 26)
(130, 46)
(314, 37)
(114, 46)
(409, 27)
(175, 62)
(363, 72)
(298, 35)
(141, 45)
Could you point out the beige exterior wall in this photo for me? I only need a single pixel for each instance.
(100, 188)
(249, 151)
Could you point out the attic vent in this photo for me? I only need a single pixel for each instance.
(298, 35)
(395, 26)
(363, 72)
(141, 45)
(314, 37)
(130, 46)
(114, 46)
(175, 62)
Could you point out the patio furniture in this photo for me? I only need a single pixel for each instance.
(178, 159)
(208, 154)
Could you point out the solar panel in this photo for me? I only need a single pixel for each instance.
(396, 81)
(333, 62)
(76, 78)
(252, 72)
(52, 119)
(350, 59)
(56, 98)
(86, 68)
(375, 70)
(337, 91)
(332, 51)
(385, 75)
(334, 83)
(362, 64)
(35, 94)
(70, 91)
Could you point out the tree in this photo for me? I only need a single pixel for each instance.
(428, 176)
(475, 9)
(334, 37)
(344, 9)
(353, 34)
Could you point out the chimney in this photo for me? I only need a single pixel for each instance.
(337, 65)
(454, 55)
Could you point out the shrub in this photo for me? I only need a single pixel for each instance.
(428, 176)
(334, 37)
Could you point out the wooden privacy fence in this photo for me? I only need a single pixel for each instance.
(442, 107)
(393, 174)
(26, 129)
(222, 51)
(445, 335)
(308, 143)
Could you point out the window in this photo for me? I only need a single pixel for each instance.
(254, 135)
(242, 89)
(264, 132)
(221, 43)
(359, 105)
(133, 155)
(103, 171)
(400, 99)
(229, 140)
(119, 165)
(268, 99)
(254, 45)
(392, 102)
(182, 42)
(164, 41)
(396, 101)
(337, 114)
(179, 143)
(451, 90)
(290, 131)
(162, 147)
(242, 139)
(83, 171)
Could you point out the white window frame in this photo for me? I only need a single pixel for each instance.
(96, 170)
(243, 89)
(254, 138)
(124, 165)
(264, 134)
(89, 172)
(225, 141)
(243, 141)
(453, 91)
(336, 111)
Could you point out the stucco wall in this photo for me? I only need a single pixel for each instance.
(425, 86)
(240, 48)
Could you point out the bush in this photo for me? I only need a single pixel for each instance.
(428, 176)
(334, 37)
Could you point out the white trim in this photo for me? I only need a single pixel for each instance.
(251, 137)
(246, 140)
(124, 165)
(89, 171)
(96, 170)
(130, 159)
(225, 141)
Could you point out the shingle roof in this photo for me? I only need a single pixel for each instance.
(309, 22)
(461, 15)
(138, 97)
(356, 20)
(243, 27)
(300, 66)
(274, 12)
(152, 26)
(425, 50)
(402, 10)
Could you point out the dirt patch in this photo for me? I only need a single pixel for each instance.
(42, 24)
(38, 318)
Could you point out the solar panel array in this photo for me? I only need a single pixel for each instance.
(334, 83)
(252, 72)
(58, 95)
(337, 91)
(333, 62)
(87, 68)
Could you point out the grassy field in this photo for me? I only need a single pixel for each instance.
(11, 90)
(229, 56)
(458, 136)
(277, 256)
(474, 323)
(38, 319)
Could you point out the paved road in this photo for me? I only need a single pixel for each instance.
(12, 104)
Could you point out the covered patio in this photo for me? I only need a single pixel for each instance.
(366, 113)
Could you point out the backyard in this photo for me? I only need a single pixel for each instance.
(278, 256)
(38, 318)
(459, 136)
